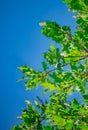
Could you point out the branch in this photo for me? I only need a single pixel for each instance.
(64, 65)
(73, 56)
(72, 39)
(79, 44)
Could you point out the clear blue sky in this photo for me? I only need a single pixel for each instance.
(22, 43)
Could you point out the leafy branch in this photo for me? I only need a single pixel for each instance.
(78, 43)
(74, 40)
(57, 112)
(64, 65)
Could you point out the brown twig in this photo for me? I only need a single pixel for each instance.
(79, 44)
(64, 65)
(73, 56)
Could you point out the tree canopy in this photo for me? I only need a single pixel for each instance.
(58, 113)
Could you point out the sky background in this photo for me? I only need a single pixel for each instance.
(21, 42)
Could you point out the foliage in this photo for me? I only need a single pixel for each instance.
(58, 114)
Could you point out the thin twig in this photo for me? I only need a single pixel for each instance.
(79, 44)
(73, 56)
(65, 65)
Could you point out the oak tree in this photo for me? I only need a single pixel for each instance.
(58, 113)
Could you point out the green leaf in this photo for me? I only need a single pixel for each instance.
(44, 64)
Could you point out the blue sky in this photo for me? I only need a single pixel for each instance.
(22, 43)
